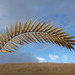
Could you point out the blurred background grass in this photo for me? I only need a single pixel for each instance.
(37, 69)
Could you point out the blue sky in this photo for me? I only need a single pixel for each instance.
(61, 12)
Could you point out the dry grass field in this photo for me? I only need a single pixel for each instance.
(37, 69)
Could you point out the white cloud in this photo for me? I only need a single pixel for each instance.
(41, 59)
(64, 58)
(74, 61)
(53, 57)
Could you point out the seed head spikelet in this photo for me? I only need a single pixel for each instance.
(34, 33)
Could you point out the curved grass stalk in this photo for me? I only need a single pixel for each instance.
(39, 33)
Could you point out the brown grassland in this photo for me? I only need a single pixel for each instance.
(37, 69)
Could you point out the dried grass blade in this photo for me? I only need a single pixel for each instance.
(11, 30)
(7, 33)
(28, 37)
(28, 25)
(4, 36)
(31, 37)
(50, 38)
(19, 28)
(64, 35)
(10, 46)
(1, 39)
(0, 46)
(56, 39)
(60, 33)
(45, 27)
(40, 26)
(25, 38)
(7, 49)
(57, 31)
(18, 40)
(32, 25)
(69, 40)
(53, 29)
(35, 37)
(53, 38)
(36, 26)
(13, 44)
(24, 26)
(73, 43)
(48, 28)
(68, 44)
(46, 37)
(69, 37)
(16, 29)
(22, 39)
(39, 37)
(42, 36)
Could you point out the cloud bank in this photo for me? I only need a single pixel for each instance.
(61, 59)
(61, 12)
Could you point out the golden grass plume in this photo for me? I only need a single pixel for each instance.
(34, 33)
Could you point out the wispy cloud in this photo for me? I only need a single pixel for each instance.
(41, 59)
(53, 58)
(65, 58)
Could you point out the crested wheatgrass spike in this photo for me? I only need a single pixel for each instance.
(34, 33)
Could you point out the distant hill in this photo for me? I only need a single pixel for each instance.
(37, 69)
